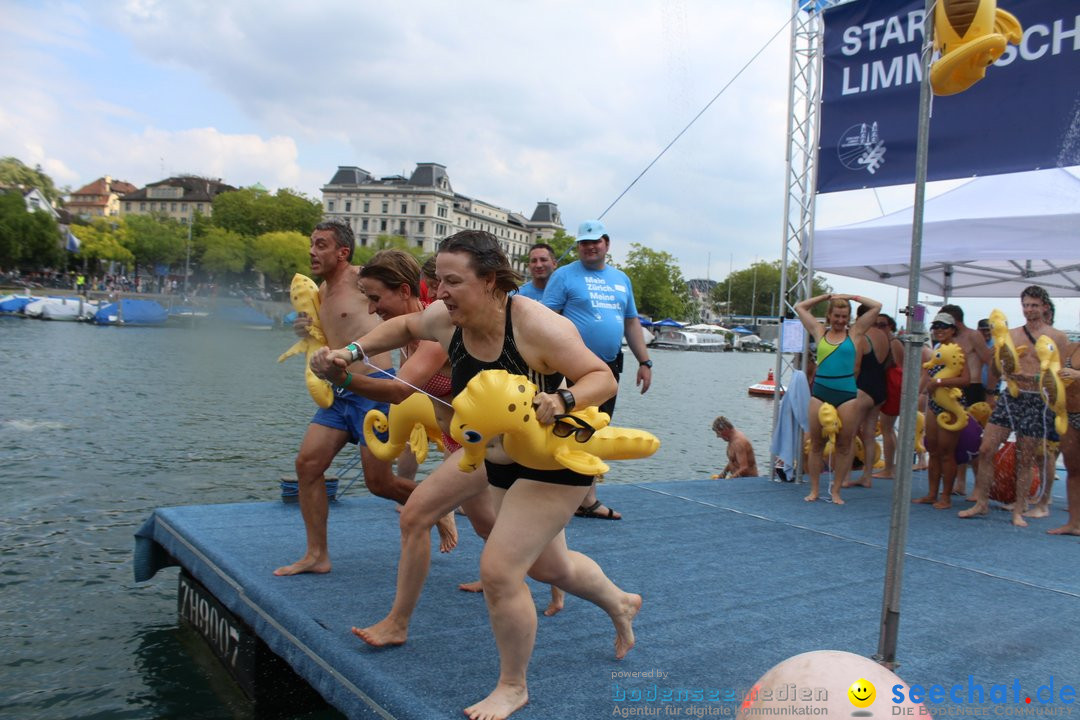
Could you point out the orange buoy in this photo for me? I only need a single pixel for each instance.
(1004, 488)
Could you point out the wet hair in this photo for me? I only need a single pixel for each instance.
(837, 303)
(722, 424)
(889, 319)
(343, 234)
(428, 268)
(1037, 292)
(545, 246)
(955, 311)
(487, 259)
(394, 268)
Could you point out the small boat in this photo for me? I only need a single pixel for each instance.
(684, 340)
(765, 388)
(131, 312)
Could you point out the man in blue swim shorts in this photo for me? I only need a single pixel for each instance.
(343, 315)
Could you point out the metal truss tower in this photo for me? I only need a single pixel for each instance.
(800, 177)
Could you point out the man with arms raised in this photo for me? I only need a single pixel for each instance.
(344, 315)
(599, 300)
(1027, 414)
(541, 265)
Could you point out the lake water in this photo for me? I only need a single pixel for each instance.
(101, 425)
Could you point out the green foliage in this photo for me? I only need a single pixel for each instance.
(14, 172)
(30, 240)
(280, 255)
(659, 288)
(387, 242)
(156, 240)
(106, 239)
(219, 250)
(756, 289)
(255, 212)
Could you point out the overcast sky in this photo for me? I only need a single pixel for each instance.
(522, 102)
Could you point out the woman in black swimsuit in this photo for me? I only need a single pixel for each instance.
(482, 327)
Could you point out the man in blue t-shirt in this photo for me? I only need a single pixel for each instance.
(541, 264)
(599, 300)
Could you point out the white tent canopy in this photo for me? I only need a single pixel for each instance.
(993, 236)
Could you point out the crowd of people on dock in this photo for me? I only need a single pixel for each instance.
(977, 387)
(466, 310)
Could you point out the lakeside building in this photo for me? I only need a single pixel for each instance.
(176, 197)
(424, 209)
(100, 198)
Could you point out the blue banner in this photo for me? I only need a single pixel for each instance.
(1024, 115)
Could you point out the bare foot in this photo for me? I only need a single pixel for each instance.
(861, 482)
(971, 498)
(624, 625)
(1068, 529)
(925, 500)
(1037, 511)
(306, 564)
(811, 497)
(557, 600)
(944, 504)
(959, 491)
(504, 700)
(447, 527)
(1019, 521)
(835, 497)
(977, 510)
(384, 633)
(884, 475)
(920, 466)
(474, 586)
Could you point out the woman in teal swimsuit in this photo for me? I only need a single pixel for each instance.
(834, 382)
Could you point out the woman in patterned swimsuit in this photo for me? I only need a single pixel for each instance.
(474, 316)
(1070, 442)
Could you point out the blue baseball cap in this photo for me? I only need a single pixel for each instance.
(591, 230)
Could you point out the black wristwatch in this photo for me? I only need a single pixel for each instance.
(567, 398)
(647, 363)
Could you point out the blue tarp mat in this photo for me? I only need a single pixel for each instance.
(135, 312)
(15, 304)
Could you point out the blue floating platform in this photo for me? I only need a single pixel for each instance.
(736, 576)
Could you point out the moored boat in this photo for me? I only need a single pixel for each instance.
(685, 340)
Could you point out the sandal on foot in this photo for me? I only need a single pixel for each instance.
(590, 512)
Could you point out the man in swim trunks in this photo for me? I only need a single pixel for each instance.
(1027, 415)
(975, 350)
(740, 452)
(343, 314)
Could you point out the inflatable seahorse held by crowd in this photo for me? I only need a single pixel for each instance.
(304, 294)
(1053, 389)
(495, 403)
(1006, 354)
(830, 427)
(953, 415)
(970, 35)
(411, 422)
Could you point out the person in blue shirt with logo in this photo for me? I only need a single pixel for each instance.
(599, 300)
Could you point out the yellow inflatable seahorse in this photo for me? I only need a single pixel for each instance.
(495, 403)
(970, 35)
(830, 427)
(305, 299)
(920, 432)
(860, 453)
(411, 422)
(953, 415)
(1006, 354)
(1053, 389)
(981, 412)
